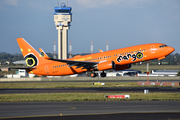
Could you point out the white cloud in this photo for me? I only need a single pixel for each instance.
(12, 2)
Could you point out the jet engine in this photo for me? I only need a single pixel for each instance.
(106, 65)
(122, 67)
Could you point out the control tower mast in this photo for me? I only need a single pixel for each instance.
(62, 19)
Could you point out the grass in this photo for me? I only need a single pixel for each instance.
(79, 96)
(86, 97)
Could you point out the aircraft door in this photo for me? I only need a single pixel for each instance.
(46, 69)
(152, 49)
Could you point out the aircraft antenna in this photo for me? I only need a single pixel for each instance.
(91, 47)
(107, 46)
(70, 49)
(54, 50)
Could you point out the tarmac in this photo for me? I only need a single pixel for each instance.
(129, 110)
(90, 90)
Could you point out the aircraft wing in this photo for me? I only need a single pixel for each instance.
(84, 64)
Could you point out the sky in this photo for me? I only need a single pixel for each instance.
(122, 23)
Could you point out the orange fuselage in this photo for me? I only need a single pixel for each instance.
(123, 56)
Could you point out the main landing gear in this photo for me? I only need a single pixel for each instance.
(103, 74)
(93, 74)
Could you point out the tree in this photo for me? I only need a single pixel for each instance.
(178, 73)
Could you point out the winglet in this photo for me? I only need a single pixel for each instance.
(44, 54)
(100, 50)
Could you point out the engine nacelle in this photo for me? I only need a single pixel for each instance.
(122, 67)
(106, 65)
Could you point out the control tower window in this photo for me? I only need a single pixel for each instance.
(62, 11)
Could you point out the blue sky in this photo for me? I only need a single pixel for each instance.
(122, 22)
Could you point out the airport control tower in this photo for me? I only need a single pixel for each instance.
(62, 19)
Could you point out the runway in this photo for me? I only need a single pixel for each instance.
(91, 110)
(90, 90)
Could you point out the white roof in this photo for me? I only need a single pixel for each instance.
(19, 62)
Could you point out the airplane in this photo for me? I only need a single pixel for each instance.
(118, 59)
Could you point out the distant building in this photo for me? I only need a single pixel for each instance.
(129, 72)
(113, 74)
(20, 73)
(5, 63)
(165, 72)
(22, 62)
(126, 72)
(161, 73)
(145, 74)
(5, 69)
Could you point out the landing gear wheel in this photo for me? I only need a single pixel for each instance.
(159, 63)
(93, 74)
(103, 74)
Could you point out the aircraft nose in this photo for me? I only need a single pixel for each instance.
(171, 49)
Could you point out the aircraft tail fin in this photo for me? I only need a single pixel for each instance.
(32, 57)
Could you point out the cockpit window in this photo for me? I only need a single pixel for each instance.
(161, 46)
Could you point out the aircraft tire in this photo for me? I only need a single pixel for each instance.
(93, 75)
(103, 74)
